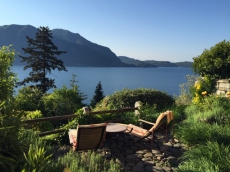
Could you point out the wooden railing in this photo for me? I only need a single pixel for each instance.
(73, 116)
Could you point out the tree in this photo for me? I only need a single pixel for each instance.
(7, 77)
(214, 63)
(42, 59)
(98, 96)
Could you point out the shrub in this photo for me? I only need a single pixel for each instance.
(29, 99)
(9, 118)
(39, 126)
(127, 98)
(63, 101)
(36, 151)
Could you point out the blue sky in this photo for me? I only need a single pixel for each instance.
(163, 30)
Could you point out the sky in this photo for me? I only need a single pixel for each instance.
(162, 30)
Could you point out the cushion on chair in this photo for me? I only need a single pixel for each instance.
(137, 131)
(169, 116)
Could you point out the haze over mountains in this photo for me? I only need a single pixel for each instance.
(80, 51)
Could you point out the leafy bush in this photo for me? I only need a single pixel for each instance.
(36, 159)
(63, 101)
(127, 98)
(37, 152)
(7, 77)
(39, 126)
(212, 157)
(29, 99)
(9, 118)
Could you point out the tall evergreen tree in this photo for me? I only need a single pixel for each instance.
(41, 59)
(98, 96)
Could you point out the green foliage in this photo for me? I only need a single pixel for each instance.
(211, 157)
(6, 158)
(42, 59)
(215, 62)
(211, 109)
(127, 98)
(9, 118)
(34, 151)
(186, 91)
(193, 133)
(36, 159)
(98, 96)
(7, 77)
(40, 126)
(63, 101)
(10, 122)
(83, 162)
(206, 130)
(29, 99)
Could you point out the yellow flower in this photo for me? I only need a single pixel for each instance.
(198, 86)
(228, 93)
(204, 93)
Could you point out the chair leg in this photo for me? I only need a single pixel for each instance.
(152, 141)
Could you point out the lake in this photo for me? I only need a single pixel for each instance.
(113, 79)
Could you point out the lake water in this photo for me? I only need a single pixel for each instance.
(115, 79)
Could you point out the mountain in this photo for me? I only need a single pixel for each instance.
(137, 63)
(80, 51)
(153, 63)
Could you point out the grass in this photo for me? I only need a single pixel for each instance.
(211, 157)
(84, 162)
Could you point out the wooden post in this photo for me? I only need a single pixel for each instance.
(86, 110)
(136, 112)
(137, 105)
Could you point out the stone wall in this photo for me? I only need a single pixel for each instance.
(222, 87)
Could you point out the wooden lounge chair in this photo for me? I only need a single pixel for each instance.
(87, 137)
(162, 121)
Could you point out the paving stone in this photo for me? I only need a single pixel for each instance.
(141, 156)
(148, 155)
(154, 168)
(167, 169)
(138, 168)
(130, 164)
(147, 159)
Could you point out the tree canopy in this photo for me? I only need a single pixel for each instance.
(215, 62)
(41, 59)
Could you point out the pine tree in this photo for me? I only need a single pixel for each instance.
(41, 59)
(98, 96)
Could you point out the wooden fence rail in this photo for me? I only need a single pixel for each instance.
(73, 116)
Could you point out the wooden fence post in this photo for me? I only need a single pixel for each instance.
(136, 112)
(137, 105)
(86, 110)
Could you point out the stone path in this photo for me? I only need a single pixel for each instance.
(139, 156)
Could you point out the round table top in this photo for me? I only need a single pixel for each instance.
(115, 127)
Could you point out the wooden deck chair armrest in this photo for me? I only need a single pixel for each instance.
(128, 130)
(147, 122)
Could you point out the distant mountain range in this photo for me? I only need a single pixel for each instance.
(80, 51)
(153, 63)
